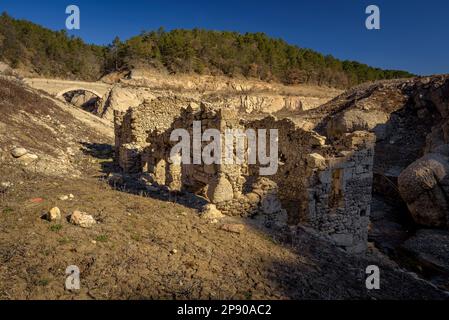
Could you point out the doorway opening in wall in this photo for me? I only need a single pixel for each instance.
(336, 199)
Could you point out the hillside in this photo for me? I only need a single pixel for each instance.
(40, 51)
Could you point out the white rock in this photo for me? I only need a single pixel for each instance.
(54, 214)
(210, 212)
(19, 152)
(82, 219)
(4, 186)
(63, 198)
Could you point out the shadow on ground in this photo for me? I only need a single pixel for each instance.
(313, 270)
(130, 183)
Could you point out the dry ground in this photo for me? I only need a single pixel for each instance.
(145, 247)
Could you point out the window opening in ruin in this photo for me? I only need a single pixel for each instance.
(336, 200)
(160, 172)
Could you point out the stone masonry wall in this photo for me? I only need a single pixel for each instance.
(325, 187)
(338, 197)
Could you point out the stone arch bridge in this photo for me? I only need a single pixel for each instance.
(58, 88)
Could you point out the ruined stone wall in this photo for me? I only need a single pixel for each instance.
(133, 127)
(338, 198)
(324, 186)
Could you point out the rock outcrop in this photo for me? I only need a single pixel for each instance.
(424, 186)
(244, 95)
(410, 119)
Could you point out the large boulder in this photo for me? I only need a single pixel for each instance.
(424, 186)
(122, 98)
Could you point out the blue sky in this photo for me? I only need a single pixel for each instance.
(414, 34)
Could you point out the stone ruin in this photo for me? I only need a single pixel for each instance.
(324, 187)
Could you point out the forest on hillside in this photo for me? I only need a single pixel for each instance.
(56, 54)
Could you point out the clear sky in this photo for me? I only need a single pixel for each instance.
(414, 34)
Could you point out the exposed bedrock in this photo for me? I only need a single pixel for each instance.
(410, 119)
(424, 186)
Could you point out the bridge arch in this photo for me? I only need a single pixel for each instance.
(61, 93)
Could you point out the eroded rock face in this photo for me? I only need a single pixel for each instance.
(424, 186)
(122, 98)
(410, 119)
(244, 95)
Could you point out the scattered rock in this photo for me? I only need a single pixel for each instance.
(66, 197)
(173, 251)
(82, 219)
(54, 214)
(233, 228)
(28, 158)
(19, 152)
(210, 212)
(4, 186)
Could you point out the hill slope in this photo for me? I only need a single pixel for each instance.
(55, 54)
